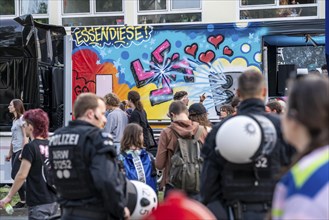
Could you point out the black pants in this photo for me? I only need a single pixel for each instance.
(15, 164)
(168, 188)
(80, 213)
(246, 211)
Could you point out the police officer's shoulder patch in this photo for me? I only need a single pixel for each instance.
(107, 138)
(106, 134)
(106, 144)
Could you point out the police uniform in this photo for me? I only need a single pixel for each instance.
(85, 173)
(242, 191)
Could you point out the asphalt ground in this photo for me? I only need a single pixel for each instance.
(19, 214)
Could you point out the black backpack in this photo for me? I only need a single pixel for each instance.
(186, 163)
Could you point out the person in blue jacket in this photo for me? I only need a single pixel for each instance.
(136, 162)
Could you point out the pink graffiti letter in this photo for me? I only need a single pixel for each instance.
(141, 77)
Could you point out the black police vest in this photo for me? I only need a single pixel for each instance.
(70, 170)
(249, 183)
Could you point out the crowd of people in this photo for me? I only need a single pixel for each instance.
(284, 172)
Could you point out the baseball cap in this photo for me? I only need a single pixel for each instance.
(197, 109)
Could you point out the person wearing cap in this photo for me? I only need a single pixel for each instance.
(198, 113)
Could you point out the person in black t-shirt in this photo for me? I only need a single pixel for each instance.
(41, 201)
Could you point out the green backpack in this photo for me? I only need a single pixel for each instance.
(186, 163)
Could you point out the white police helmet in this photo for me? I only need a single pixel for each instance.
(244, 138)
(141, 198)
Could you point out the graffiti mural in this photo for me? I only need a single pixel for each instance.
(159, 61)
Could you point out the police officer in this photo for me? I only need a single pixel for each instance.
(84, 169)
(243, 191)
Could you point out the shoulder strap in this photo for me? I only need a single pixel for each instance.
(198, 133)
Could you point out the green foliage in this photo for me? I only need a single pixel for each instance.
(160, 196)
(4, 191)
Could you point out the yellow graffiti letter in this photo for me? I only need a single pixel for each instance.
(77, 37)
(113, 33)
(91, 34)
(85, 35)
(105, 33)
(130, 33)
(98, 35)
(122, 33)
(138, 34)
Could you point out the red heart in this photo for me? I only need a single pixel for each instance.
(191, 50)
(207, 57)
(216, 40)
(227, 51)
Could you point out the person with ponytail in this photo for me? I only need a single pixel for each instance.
(18, 140)
(303, 192)
(139, 116)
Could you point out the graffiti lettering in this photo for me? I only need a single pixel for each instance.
(163, 69)
(139, 74)
(118, 36)
(158, 53)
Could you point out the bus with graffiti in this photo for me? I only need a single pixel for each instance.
(158, 61)
(45, 68)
